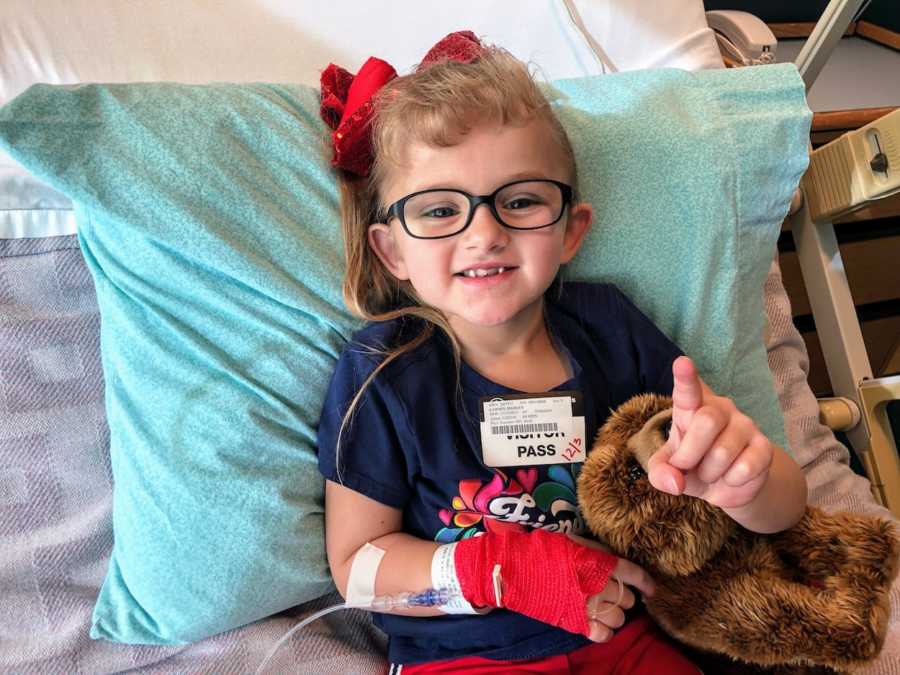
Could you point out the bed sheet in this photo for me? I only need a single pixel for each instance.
(193, 41)
(272, 40)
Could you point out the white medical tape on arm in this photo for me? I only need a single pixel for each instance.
(443, 575)
(363, 569)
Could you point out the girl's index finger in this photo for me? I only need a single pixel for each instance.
(687, 392)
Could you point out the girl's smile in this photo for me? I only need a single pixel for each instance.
(483, 272)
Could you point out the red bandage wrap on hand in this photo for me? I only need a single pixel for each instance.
(545, 575)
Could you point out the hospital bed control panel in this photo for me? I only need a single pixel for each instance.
(854, 170)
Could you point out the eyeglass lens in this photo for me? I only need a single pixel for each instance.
(524, 205)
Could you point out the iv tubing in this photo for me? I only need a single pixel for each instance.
(306, 621)
(431, 597)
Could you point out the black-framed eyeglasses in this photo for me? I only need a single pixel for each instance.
(443, 212)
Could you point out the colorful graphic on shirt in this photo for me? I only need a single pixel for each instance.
(514, 502)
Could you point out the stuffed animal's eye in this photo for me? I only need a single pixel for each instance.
(635, 473)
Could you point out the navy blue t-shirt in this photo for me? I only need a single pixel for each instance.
(414, 444)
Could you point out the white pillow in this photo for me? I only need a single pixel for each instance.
(197, 41)
(290, 41)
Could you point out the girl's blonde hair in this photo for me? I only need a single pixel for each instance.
(437, 106)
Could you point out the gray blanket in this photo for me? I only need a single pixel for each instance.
(56, 499)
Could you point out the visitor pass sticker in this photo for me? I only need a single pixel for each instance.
(526, 429)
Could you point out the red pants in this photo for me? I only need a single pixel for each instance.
(639, 647)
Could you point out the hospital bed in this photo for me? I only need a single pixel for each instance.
(55, 542)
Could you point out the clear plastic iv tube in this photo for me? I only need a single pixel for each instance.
(432, 597)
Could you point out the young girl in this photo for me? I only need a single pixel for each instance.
(455, 423)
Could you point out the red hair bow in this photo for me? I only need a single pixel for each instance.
(347, 108)
(346, 103)
(462, 46)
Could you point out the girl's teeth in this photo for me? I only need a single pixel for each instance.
(484, 273)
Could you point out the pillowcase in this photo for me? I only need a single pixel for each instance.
(31, 209)
(208, 217)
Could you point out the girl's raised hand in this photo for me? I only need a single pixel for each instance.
(714, 451)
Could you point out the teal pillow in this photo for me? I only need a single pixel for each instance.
(691, 176)
(209, 220)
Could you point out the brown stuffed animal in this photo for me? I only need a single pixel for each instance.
(814, 594)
